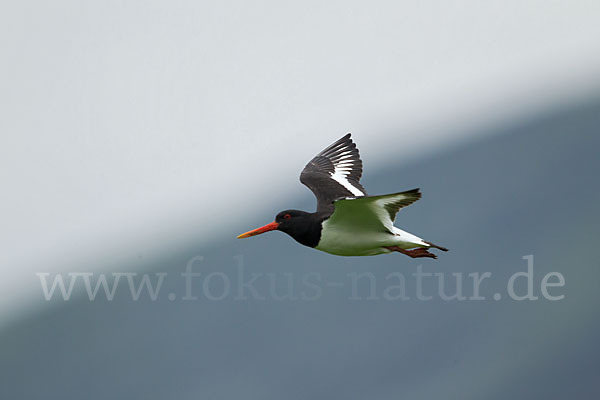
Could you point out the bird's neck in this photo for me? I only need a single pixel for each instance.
(308, 231)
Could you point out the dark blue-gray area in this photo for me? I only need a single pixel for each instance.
(529, 189)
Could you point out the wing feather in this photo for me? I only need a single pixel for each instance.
(334, 174)
(372, 212)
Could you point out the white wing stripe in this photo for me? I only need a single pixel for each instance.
(341, 179)
(379, 207)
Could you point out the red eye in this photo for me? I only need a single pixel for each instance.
(287, 216)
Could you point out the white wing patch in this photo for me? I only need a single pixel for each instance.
(342, 169)
(374, 210)
(378, 206)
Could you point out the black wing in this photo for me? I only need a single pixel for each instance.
(334, 173)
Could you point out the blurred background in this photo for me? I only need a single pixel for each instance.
(136, 136)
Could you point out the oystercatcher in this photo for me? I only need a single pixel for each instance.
(348, 222)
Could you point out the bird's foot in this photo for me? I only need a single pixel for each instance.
(414, 253)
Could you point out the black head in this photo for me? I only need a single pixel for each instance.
(289, 219)
(302, 226)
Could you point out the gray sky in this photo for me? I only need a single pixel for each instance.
(128, 126)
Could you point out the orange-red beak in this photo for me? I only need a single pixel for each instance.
(269, 227)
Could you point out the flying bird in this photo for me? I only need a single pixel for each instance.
(348, 222)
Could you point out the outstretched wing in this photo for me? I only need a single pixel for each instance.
(372, 212)
(334, 174)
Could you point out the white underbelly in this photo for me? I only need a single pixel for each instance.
(356, 242)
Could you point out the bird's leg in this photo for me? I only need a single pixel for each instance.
(414, 253)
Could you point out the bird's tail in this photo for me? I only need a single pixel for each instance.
(435, 246)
